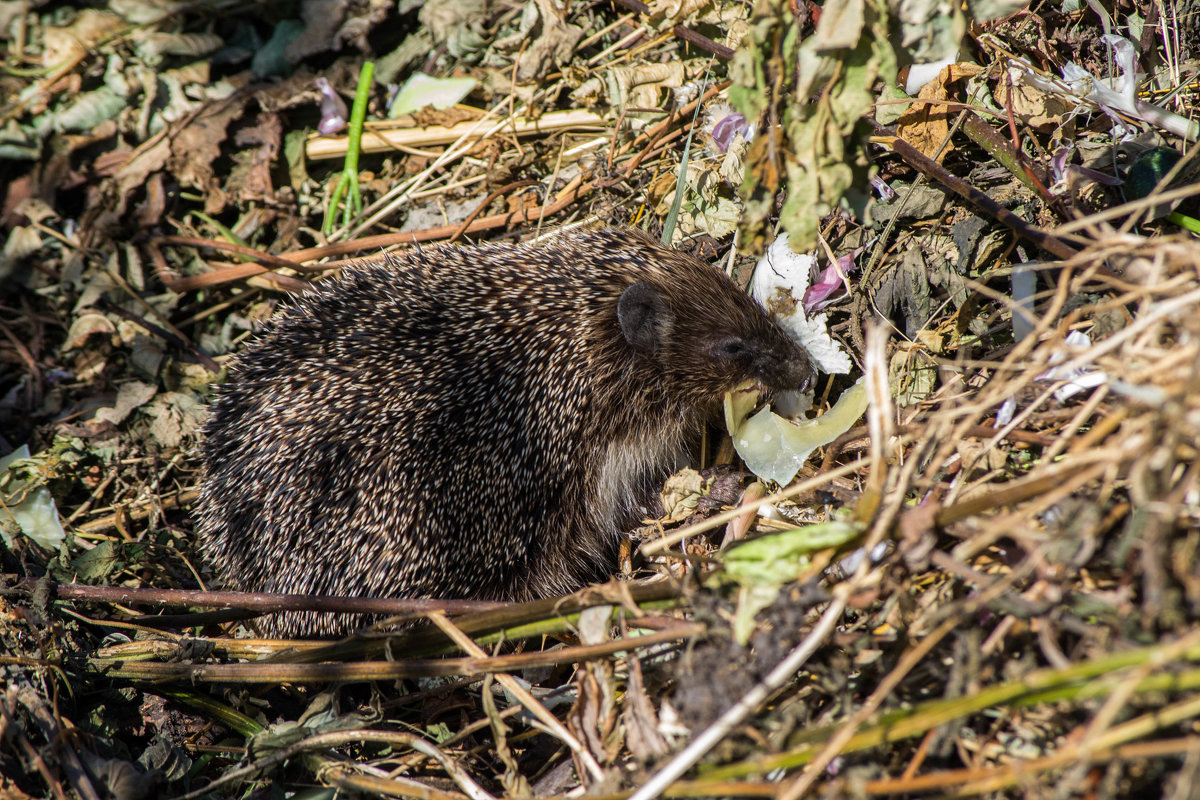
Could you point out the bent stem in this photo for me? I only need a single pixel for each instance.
(347, 180)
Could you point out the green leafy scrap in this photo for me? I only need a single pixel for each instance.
(761, 567)
(807, 147)
(26, 505)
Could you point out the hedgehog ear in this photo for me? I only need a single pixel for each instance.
(643, 316)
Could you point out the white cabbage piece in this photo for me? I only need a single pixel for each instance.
(774, 448)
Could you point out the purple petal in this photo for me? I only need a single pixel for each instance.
(885, 191)
(727, 128)
(333, 109)
(823, 292)
(1058, 164)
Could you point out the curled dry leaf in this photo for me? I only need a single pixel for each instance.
(83, 35)
(84, 326)
(153, 44)
(130, 396)
(636, 86)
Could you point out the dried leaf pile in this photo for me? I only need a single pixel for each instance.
(989, 587)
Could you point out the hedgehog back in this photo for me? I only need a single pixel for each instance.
(470, 422)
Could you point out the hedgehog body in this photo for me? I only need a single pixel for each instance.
(471, 422)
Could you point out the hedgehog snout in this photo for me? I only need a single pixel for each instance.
(791, 370)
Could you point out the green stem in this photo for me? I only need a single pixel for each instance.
(1184, 221)
(347, 180)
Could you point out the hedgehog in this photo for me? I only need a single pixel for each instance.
(482, 422)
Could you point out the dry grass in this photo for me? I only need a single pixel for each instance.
(1026, 625)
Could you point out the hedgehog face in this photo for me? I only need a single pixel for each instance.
(776, 366)
(708, 356)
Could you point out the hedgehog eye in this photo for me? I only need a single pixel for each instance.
(732, 349)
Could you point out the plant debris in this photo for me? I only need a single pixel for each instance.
(990, 585)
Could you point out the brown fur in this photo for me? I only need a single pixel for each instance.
(478, 422)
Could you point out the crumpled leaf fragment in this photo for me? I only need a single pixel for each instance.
(22, 241)
(28, 505)
(1031, 105)
(355, 29)
(670, 12)
(988, 10)
(808, 155)
(554, 44)
(141, 12)
(84, 326)
(321, 716)
(926, 126)
(458, 24)
(121, 780)
(198, 144)
(250, 179)
(130, 396)
(681, 494)
(92, 566)
(641, 724)
(931, 30)
(764, 565)
(708, 205)
(80, 37)
(18, 143)
(175, 416)
(152, 45)
(639, 85)
(89, 109)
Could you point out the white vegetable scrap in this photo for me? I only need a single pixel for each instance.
(780, 281)
(1078, 379)
(421, 90)
(775, 447)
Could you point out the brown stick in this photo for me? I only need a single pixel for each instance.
(936, 172)
(258, 672)
(258, 601)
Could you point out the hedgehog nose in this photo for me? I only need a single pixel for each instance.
(793, 372)
(798, 374)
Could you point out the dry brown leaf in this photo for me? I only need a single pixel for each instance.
(637, 715)
(321, 18)
(76, 40)
(251, 177)
(197, 145)
(674, 11)
(926, 126)
(153, 43)
(354, 31)
(1031, 106)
